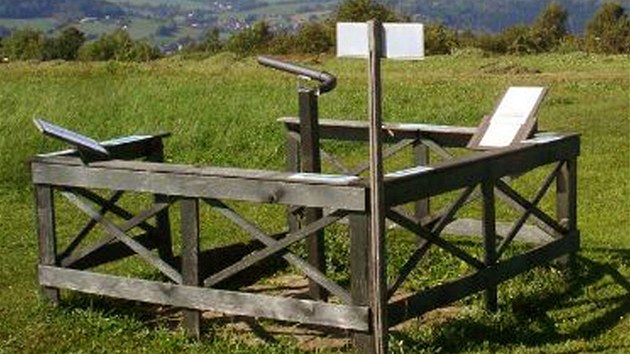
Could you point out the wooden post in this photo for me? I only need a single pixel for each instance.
(359, 273)
(489, 238)
(421, 158)
(293, 165)
(190, 259)
(378, 264)
(311, 162)
(44, 203)
(163, 224)
(566, 205)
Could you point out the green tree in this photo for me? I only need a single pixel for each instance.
(438, 39)
(314, 38)
(609, 30)
(365, 10)
(250, 40)
(118, 46)
(25, 44)
(66, 46)
(550, 28)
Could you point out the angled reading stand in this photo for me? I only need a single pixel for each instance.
(514, 119)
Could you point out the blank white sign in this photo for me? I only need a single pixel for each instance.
(403, 41)
(518, 104)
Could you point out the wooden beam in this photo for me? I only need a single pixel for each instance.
(190, 297)
(488, 228)
(378, 258)
(353, 130)
(415, 305)
(45, 211)
(360, 272)
(197, 182)
(473, 169)
(190, 259)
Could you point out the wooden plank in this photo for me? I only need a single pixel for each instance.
(353, 130)
(488, 228)
(228, 302)
(278, 246)
(566, 204)
(310, 271)
(162, 220)
(415, 305)
(125, 148)
(190, 259)
(516, 227)
(296, 192)
(45, 212)
(310, 160)
(421, 157)
(293, 166)
(125, 227)
(378, 262)
(359, 272)
(389, 151)
(113, 199)
(115, 231)
(460, 172)
(420, 231)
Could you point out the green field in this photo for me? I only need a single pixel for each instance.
(222, 112)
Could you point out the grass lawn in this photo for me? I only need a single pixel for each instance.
(222, 112)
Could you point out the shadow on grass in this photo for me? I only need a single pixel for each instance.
(532, 320)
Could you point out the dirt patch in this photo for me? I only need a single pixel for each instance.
(507, 69)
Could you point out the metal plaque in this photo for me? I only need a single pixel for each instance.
(68, 136)
(403, 41)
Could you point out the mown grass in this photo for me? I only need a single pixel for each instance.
(222, 111)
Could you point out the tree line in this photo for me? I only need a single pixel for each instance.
(608, 31)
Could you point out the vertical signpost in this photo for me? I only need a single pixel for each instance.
(374, 40)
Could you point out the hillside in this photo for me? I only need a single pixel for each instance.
(167, 21)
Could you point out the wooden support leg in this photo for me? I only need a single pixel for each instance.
(46, 233)
(421, 158)
(490, 239)
(163, 225)
(190, 260)
(293, 165)
(359, 274)
(566, 206)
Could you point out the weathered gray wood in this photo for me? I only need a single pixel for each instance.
(488, 221)
(279, 246)
(45, 211)
(115, 196)
(378, 278)
(460, 172)
(228, 302)
(353, 130)
(111, 206)
(516, 227)
(421, 157)
(310, 271)
(416, 304)
(389, 151)
(422, 232)
(529, 234)
(106, 250)
(163, 223)
(433, 146)
(452, 210)
(188, 184)
(310, 160)
(359, 228)
(190, 259)
(526, 205)
(115, 231)
(335, 162)
(293, 165)
(566, 204)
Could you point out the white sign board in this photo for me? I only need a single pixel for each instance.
(511, 119)
(404, 41)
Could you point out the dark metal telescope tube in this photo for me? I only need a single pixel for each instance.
(328, 81)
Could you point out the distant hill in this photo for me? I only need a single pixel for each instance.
(166, 22)
(496, 15)
(25, 9)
